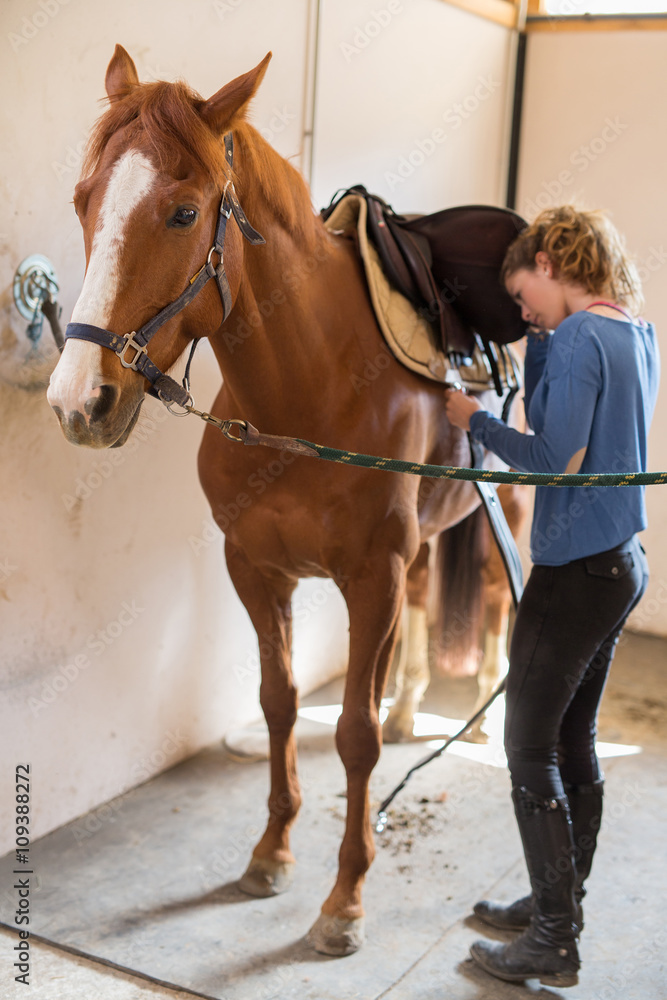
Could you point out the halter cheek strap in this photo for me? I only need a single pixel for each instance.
(132, 348)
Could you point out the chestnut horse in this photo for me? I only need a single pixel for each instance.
(300, 328)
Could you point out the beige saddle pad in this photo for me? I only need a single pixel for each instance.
(410, 337)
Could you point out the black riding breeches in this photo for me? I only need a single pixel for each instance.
(567, 626)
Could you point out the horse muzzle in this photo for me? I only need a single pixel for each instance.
(93, 411)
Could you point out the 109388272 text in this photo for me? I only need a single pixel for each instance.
(22, 871)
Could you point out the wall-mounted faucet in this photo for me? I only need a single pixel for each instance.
(35, 294)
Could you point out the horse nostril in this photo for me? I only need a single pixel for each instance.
(98, 406)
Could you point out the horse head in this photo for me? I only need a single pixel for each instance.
(149, 203)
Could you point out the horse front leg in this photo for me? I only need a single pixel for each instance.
(268, 603)
(412, 671)
(374, 605)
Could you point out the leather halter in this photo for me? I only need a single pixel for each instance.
(163, 386)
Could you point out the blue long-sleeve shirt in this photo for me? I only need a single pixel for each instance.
(592, 384)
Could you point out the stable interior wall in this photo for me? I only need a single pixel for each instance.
(413, 101)
(593, 133)
(124, 646)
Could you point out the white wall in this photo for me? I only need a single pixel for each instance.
(594, 133)
(124, 647)
(412, 102)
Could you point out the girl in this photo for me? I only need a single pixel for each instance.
(591, 380)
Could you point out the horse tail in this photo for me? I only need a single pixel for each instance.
(461, 554)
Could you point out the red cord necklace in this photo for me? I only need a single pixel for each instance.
(612, 305)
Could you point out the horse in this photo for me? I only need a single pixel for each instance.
(469, 633)
(291, 326)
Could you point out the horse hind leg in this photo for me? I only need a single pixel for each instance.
(494, 660)
(412, 670)
(497, 602)
(271, 867)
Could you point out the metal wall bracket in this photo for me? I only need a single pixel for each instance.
(34, 282)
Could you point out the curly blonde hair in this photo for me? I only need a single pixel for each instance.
(584, 248)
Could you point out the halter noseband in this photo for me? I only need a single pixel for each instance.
(163, 386)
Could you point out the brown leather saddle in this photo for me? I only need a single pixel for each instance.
(448, 265)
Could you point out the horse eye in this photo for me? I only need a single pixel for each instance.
(182, 218)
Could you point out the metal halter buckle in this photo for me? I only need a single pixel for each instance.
(187, 405)
(140, 349)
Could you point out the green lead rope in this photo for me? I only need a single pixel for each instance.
(485, 475)
(243, 432)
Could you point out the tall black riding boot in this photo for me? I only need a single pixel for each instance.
(547, 950)
(586, 812)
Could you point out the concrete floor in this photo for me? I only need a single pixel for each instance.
(451, 840)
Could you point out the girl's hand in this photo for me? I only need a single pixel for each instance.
(460, 408)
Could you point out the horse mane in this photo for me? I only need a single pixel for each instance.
(167, 116)
(282, 188)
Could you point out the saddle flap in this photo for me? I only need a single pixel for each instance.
(406, 257)
(382, 234)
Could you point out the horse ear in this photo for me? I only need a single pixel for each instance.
(121, 74)
(232, 100)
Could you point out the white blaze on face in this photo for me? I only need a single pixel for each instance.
(130, 182)
(77, 374)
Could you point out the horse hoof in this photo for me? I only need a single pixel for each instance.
(264, 877)
(476, 735)
(336, 936)
(398, 727)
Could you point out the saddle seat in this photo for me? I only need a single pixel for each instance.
(422, 329)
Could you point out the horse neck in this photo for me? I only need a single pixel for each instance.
(274, 349)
